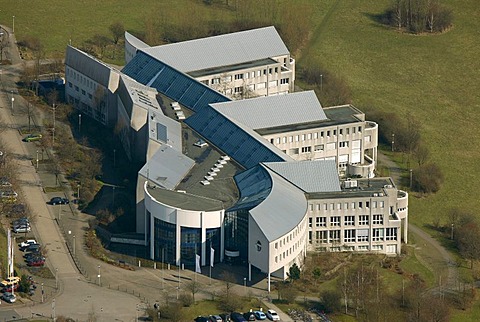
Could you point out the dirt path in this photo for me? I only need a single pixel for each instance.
(427, 249)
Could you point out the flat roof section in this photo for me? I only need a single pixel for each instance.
(336, 115)
(230, 68)
(364, 188)
(184, 201)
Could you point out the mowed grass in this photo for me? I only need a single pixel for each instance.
(433, 77)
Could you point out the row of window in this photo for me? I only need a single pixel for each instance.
(363, 220)
(81, 79)
(247, 75)
(364, 248)
(354, 235)
(312, 136)
(288, 252)
(290, 237)
(346, 205)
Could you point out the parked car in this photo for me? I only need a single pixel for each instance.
(201, 319)
(22, 229)
(20, 221)
(27, 243)
(10, 280)
(4, 182)
(36, 258)
(249, 316)
(9, 297)
(32, 248)
(237, 317)
(225, 317)
(38, 262)
(215, 318)
(259, 315)
(272, 315)
(32, 137)
(8, 196)
(9, 288)
(58, 201)
(31, 255)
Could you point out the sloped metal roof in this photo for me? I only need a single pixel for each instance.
(310, 176)
(273, 111)
(89, 65)
(167, 167)
(223, 50)
(241, 143)
(134, 41)
(275, 205)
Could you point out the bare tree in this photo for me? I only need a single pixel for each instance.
(118, 30)
(3, 45)
(194, 287)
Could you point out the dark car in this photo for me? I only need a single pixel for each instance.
(215, 318)
(8, 288)
(35, 259)
(20, 221)
(58, 201)
(201, 319)
(249, 316)
(237, 317)
(32, 137)
(38, 262)
(29, 256)
(225, 317)
(30, 247)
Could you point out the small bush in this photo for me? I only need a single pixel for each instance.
(330, 300)
(186, 300)
(427, 178)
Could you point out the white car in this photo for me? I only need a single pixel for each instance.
(27, 243)
(21, 229)
(272, 315)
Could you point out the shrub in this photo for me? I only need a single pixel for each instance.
(330, 301)
(427, 178)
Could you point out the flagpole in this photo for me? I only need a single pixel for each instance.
(195, 263)
(210, 275)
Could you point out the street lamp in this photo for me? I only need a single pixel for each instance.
(42, 292)
(37, 159)
(56, 278)
(99, 284)
(54, 108)
(321, 83)
(78, 193)
(451, 237)
(114, 155)
(411, 178)
(73, 245)
(79, 122)
(13, 25)
(13, 100)
(245, 285)
(393, 140)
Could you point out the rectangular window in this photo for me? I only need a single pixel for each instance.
(343, 144)
(321, 222)
(377, 234)
(377, 219)
(227, 79)
(322, 236)
(215, 81)
(334, 236)
(290, 139)
(311, 207)
(238, 76)
(331, 146)
(284, 81)
(339, 206)
(318, 147)
(353, 205)
(374, 204)
(315, 135)
(303, 137)
(335, 221)
(328, 133)
(284, 139)
(368, 138)
(363, 220)
(309, 136)
(306, 149)
(321, 134)
(381, 204)
(278, 140)
(391, 234)
(251, 87)
(325, 206)
(347, 130)
(332, 206)
(349, 236)
(238, 89)
(349, 220)
(273, 83)
(310, 222)
(70, 84)
(340, 131)
(334, 132)
(362, 235)
(293, 151)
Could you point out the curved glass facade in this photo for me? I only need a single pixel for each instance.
(164, 241)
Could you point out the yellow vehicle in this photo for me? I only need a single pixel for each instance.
(10, 280)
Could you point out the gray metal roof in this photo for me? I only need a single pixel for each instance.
(310, 176)
(282, 210)
(89, 65)
(167, 167)
(223, 50)
(134, 41)
(274, 111)
(184, 201)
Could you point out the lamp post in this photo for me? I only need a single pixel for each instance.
(73, 245)
(99, 283)
(13, 100)
(451, 237)
(321, 83)
(245, 285)
(79, 122)
(114, 157)
(54, 108)
(56, 278)
(42, 293)
(411, 178)
(78, 192)
(393, 141)
(13, 24)
(37, 159)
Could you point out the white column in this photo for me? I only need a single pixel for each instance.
(152, 234)
(178, 240)
(249, 272)
(405, 228)
(222, 236)
(203, 239)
